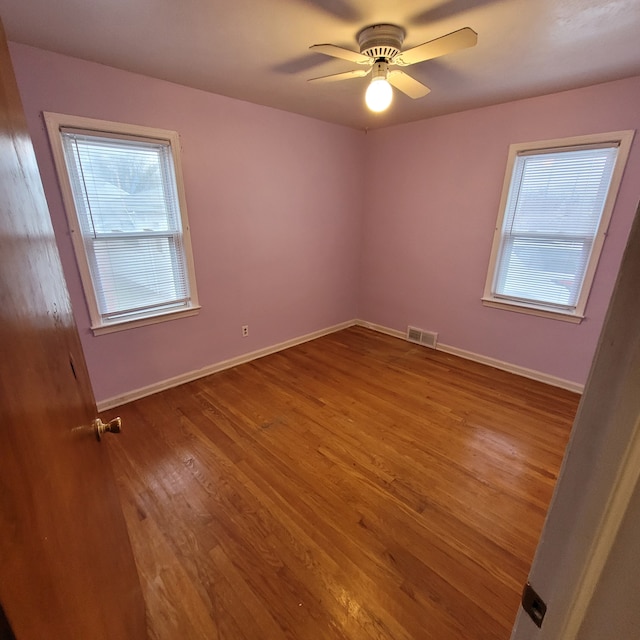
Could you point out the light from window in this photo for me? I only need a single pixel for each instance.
(127, 219)
(554, 213)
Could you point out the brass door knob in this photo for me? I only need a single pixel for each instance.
(113, 426)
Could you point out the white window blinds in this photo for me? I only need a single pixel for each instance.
(125, 195)
(553, 212)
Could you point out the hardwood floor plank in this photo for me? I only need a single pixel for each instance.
(174, 606)
(356, 487)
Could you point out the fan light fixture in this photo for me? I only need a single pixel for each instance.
(379, 92)
(381, 47)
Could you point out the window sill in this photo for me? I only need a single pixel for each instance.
(123, 325)
(543, 312)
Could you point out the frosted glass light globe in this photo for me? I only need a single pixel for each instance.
(378, 95)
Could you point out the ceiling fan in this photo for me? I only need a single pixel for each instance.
(381, 48)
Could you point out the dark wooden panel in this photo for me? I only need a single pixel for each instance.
(66, 564)
(6, 633)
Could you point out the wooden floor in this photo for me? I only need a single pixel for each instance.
(354, 487)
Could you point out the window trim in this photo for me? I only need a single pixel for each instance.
(623, 140)
(55, 122)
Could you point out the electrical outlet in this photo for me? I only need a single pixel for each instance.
(245, 330)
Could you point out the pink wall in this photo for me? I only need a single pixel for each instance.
(431, 201)
(299, 225)
(274, 202)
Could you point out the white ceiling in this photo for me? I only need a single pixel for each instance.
(258, 50)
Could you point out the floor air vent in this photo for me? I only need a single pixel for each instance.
(426, 338)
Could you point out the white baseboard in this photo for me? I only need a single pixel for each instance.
(492, 362)
(381, 329)
(514, 368)
(136, 394)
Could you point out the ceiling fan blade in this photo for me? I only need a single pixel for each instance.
(346, 75)
(405, 83)
(339, 52)
(461, 39)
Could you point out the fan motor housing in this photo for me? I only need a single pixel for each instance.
(381, 41)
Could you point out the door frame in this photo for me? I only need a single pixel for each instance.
(600, 470)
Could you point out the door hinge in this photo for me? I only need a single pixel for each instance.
(533, 604)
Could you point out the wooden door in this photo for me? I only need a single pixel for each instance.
(66, 564)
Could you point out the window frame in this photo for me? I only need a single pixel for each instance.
(55, 122)
(623, 140)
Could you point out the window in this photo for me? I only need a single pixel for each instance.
(122, 189)
(556, 204)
